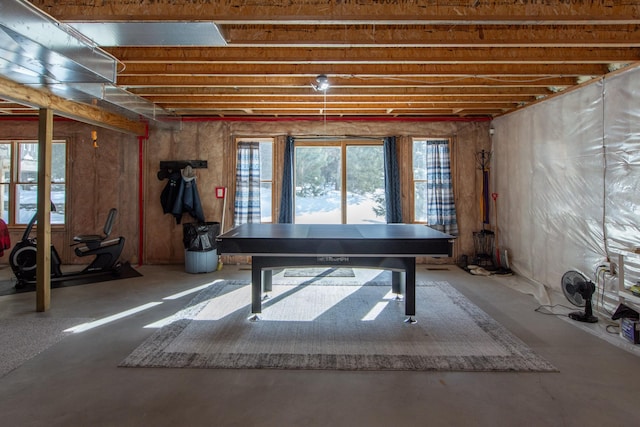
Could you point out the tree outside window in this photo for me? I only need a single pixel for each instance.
(19, 181)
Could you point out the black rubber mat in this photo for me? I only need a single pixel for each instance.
(7, 287)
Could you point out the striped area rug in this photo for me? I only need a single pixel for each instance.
(319, 272)
(340, 327)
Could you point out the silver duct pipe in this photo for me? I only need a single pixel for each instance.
(38, 51)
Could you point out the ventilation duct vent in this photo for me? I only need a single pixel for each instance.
(34, 44)
(151, 33)
(40, 52)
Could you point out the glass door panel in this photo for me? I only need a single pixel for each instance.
(365, 201)
(318, 185)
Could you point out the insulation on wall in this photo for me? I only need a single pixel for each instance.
(213, 140)
(98, 179)
(566, 171)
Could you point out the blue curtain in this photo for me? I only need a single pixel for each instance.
(441, 208)
(392, 181)
(286, 201)
(247, 201)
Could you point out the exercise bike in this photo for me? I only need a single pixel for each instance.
(23, 256)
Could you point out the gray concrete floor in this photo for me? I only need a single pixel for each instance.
(76, 382)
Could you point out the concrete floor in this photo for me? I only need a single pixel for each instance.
(76, 382)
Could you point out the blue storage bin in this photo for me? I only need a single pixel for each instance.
(200, 261)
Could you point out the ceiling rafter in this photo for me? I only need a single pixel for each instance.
(341, 11)
(459, 35)
(133, 56)
(397, 58)
(160, 71)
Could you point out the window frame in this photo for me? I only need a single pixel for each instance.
(14, 182)
(343, 144)
(261, 140)
(412, 178)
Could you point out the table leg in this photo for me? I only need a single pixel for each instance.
(267, 280)
(398, 283)
(256, 289)
(410, 289)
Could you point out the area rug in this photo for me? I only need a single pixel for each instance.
(319, 272)
(338, 327)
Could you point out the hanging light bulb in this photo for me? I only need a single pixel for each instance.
(323, 82)
(94, 138)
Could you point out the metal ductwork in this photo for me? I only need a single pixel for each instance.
(42, 53)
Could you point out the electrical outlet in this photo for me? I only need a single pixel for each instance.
(608, 267)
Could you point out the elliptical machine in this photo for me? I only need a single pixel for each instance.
(23, 255)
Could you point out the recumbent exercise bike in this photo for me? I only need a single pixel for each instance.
(23, 256)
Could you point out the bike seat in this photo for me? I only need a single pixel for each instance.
(96, 238)
(87, 238)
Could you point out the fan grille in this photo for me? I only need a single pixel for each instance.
(571, 282)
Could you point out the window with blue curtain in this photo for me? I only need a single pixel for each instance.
(339, 180)
(434, 202)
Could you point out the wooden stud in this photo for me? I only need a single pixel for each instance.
(43, 231)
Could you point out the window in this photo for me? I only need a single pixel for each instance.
(254, 181)
(19, 181)
(339, 183)
(433, 198)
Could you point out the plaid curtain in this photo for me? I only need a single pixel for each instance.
(247, 201)
(441, 208)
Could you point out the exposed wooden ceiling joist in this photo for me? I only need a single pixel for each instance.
(345, 11)
(161, 71)
(354, 55)
(488, 35)
(396, 58)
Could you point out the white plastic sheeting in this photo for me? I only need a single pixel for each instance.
(567, 171)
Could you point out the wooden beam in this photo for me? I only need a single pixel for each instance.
(345, 81)
(43, 231)
(334, 11)
(17, 111)
(459, 35)
(177, 101)
(379, 112)
(364, 104)
(373, 55)
(193, 72)
(70, 109)
(160, 94)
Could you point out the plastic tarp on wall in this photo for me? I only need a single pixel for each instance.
(567, 172)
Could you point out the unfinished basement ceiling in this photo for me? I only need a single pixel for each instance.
(421, 58)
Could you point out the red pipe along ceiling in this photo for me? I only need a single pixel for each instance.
(336, 119)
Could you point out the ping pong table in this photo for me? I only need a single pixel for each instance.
(386, 246)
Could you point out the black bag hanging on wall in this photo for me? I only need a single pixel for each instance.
(200, 236)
